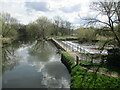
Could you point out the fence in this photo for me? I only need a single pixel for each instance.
(83, 53)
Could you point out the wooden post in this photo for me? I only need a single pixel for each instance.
(92, 59)
(77, 47)
(72, 48)
(77, 60)
(86, 57)
(62, 57)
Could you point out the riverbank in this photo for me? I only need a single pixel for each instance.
(64, 38)
(82, 63)
(84, 78)
(33, 65)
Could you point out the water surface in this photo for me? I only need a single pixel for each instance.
(33, 65)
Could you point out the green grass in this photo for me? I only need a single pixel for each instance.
(81, 78)
(49, 38)
(97, 56)
(103, 68)
(85, 63)
(63, 37)
(106, 68)
(69, 58)
(66, 37)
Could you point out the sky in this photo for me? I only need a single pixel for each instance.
(27, 11)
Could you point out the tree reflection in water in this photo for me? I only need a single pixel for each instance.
(33, 64)
(9, 59)
(42, 50)
(39, 49)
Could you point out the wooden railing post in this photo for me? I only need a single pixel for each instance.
(77, 60)
(62, 57)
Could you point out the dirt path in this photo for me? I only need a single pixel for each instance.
(74, 54)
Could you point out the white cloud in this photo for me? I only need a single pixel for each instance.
(67, 9)
(38, 6)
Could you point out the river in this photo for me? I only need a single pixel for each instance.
(33, 65)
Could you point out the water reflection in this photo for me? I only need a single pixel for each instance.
(11, 55)
(54, 75)
(33, 65)
(9, 60)
(42, 50)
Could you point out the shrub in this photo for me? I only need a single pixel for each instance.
(86, 35)
(113, 57)
(81, 78)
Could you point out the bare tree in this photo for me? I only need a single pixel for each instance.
(57, 23)
(112, 11)
(68, 26)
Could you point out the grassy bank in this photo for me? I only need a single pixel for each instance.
(66, 37)
(68, 58)
(82, 78)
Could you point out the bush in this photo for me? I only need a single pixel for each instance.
(80, 78)
(86, 35)
(68, 57)
(113, 57)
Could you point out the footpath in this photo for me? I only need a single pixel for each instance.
(75, 54)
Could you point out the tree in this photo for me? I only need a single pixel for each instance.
(40, 29)
(33, 31)
(61, 26)
(9, 25)
(86, 34)
(22, 32)
(112, 11)
(1, 21)
(44, 26)
(68, 26)
(56, 23)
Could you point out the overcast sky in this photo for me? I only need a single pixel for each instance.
(29, 10)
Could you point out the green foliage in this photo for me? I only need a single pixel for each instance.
(68, 57)
(66, 37)
(105, 34)
(1, 26)
(40, 29)
(85, 63)
(22, 33)
(86, 34)
(32, 30)
(117, 30)
(10, 27)
(61, 27)
(81, 78)
(113, 57)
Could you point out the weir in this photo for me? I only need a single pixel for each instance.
(63, 58)
(58, 45)
(77, 58)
